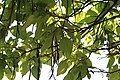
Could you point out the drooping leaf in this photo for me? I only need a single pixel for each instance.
(46, 44)
(118, 30)
(62, 67)
(66, 3)
(69, 76)
(2, 66)
(119, 60)
(8, 73)
(35, 71)
(80, 16)
(88, 75)
(111, 62)
(24, 68)
(1, 73)
(83, 70)
(66, 46)
(91, 13)
(80, 55)
(89, 62)
(88, 20)
(29, 21)
(115, 75)
(2, 63)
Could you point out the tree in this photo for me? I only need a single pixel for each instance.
(63, 32)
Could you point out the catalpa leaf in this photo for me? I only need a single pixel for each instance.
(66, 46)
(24, 68)
(35, 71)
(29, 21)
(62, 67)
(66, 3)
(2, 66)
(69, 76)
(1, 73)
(118, 29)
(111, 62)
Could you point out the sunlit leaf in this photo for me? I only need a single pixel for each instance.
(79, 17)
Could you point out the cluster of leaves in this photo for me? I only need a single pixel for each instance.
(70, 30)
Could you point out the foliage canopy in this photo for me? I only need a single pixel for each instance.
(62, 32)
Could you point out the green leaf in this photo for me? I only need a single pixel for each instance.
(8, 73)
(3, 33)
(119, 60)
(2, 66)
(62, 67)
(75, 71)
(79, 17)
(89, 63)
(83, 70)
(45, 60)
(111, 62)
(66, 46)
(69, 76)
(1, 73)
(29, 21)
(115, 75)
(38, 33)
(24, 68)
(34, 71)
(89, 19)
(50, 3)
(2, 63)
(66, 3)
(80, 55)
(88, 75)
(106, 10)
(46, 44)
(118, 30)
(91, 13)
